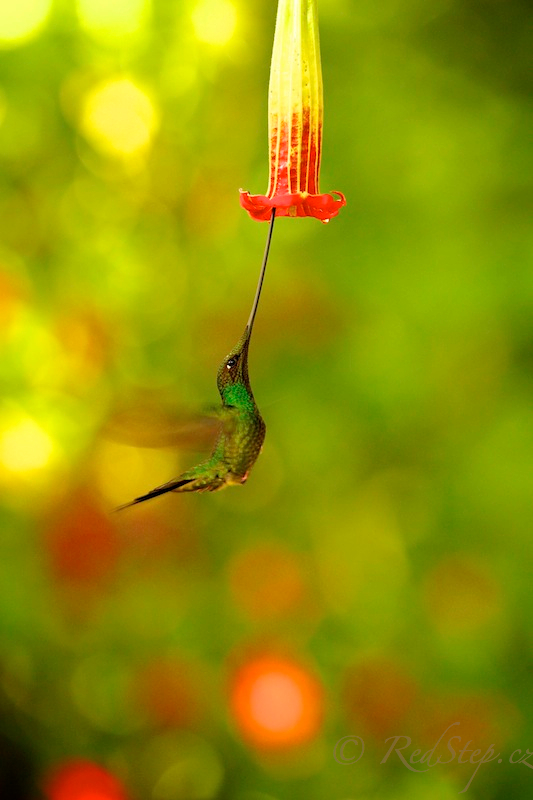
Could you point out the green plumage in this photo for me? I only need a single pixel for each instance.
(241, 436)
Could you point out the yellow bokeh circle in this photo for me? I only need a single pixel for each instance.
(119, 118)
(21, 20)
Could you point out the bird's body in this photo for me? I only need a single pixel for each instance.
(242, 429)
(241, 436)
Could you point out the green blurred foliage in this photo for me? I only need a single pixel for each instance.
(383, 539)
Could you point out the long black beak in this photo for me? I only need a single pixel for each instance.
(253, 312)
(244, 343)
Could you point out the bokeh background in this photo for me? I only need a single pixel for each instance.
(373, 578)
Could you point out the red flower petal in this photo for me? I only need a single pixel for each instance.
(320, 206)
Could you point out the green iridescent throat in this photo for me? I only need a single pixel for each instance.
(238, 396)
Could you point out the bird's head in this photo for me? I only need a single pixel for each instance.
(234, 368)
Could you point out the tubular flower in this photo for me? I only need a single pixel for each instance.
(295, 114)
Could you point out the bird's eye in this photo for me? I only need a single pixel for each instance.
(231, 362)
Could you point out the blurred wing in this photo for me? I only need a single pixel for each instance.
(149, 426)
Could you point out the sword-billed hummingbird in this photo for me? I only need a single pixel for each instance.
(242, 430)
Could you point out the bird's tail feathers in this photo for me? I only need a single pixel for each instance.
(171, 486)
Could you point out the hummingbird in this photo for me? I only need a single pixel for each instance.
(242, 428)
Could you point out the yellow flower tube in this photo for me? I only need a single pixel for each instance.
(295, 118)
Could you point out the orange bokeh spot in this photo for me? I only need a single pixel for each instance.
(169, 692)
(267, 581)
(276, 702)
(83, 780)
(86, 341)
(12, 299)
(82, 544)
(380, 694)
(482, 718)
